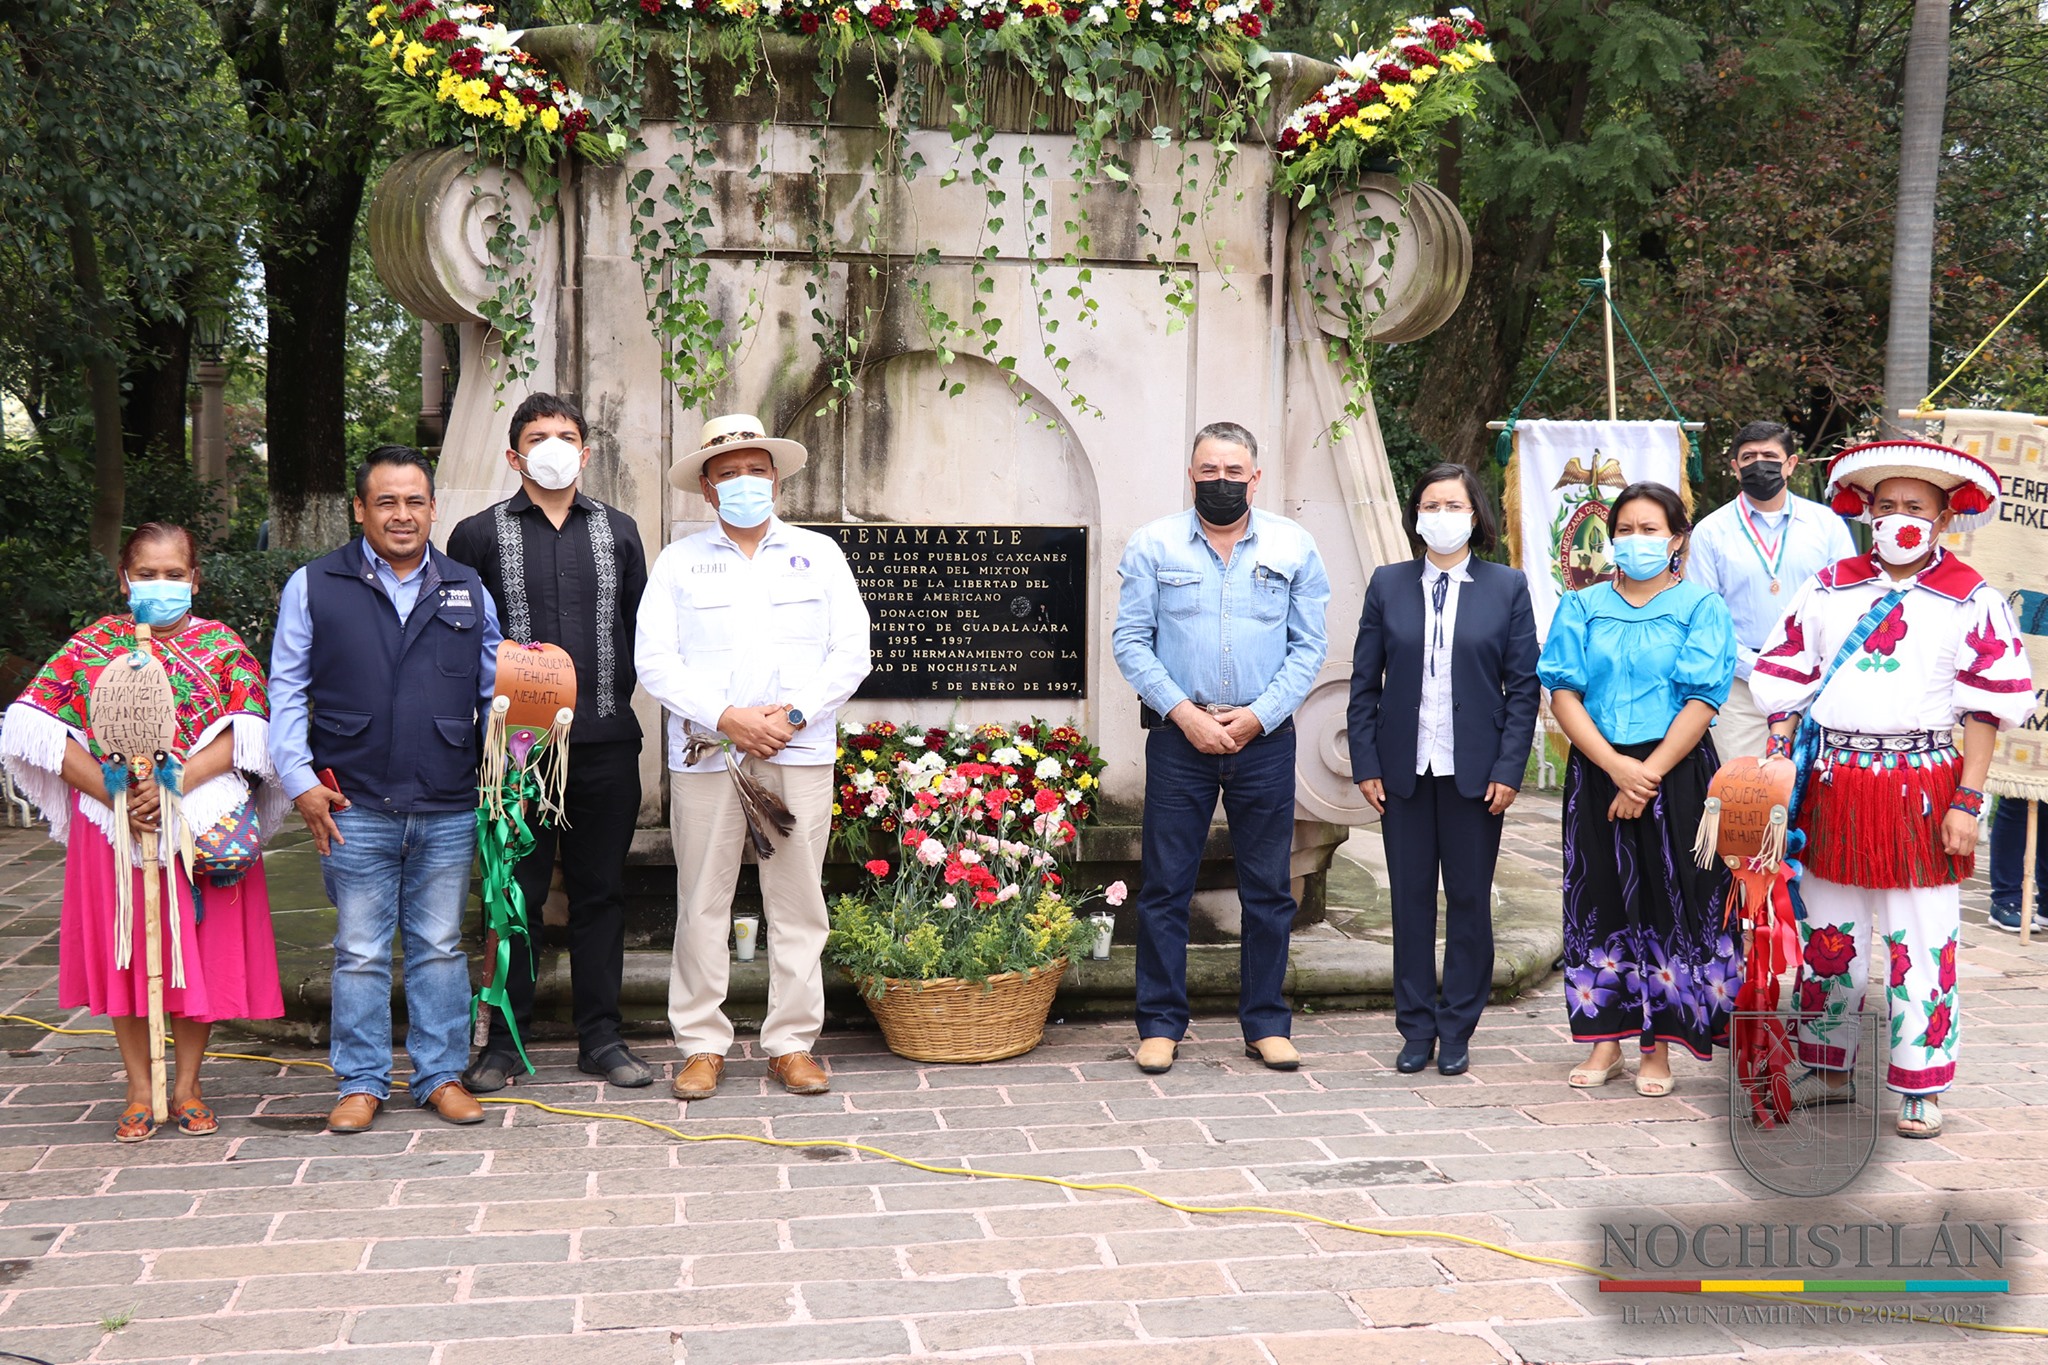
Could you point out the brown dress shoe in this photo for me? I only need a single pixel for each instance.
(455, 1104)
(699, 1078)
(354, 1114)
(799, 1074)
(1276, 1052)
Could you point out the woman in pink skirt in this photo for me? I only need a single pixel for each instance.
(229, 958)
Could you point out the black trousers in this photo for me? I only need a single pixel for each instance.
(1440, 831)
(602, 805)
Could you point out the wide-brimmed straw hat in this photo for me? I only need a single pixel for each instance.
(1971, 485)
(736, 431)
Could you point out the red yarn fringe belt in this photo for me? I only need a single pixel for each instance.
(1874, 819)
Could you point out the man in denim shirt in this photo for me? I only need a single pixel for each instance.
(1220, 629)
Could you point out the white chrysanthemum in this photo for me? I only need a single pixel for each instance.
(1048, 768)
(863, 780)
(1006, 757)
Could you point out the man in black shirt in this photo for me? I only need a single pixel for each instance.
(567, 570)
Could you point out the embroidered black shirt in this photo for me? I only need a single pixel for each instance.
(578, 587)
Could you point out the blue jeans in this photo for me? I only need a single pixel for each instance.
(2009, 854)
(409, 874)
(1181, 787)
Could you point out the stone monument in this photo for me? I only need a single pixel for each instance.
(983, 507)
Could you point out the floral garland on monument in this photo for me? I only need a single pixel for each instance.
(1387, 105)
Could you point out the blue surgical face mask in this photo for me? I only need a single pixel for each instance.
(159, 601)
(745, 500)
(1641, 557)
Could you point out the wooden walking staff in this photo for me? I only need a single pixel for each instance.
(134, 719)
(1607, 319)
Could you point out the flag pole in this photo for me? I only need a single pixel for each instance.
(1607, 318)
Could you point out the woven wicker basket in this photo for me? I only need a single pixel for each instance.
(951, 1020)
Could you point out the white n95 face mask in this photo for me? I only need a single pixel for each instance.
(554, 463)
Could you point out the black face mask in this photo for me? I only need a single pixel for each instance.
(1222, 502)
(1763, 480)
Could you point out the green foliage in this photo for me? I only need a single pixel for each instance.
(875, 942)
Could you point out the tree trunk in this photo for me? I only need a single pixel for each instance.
(103, 382)
(1470, 373)
(1926, 93)
(306, 285)
(154, 408)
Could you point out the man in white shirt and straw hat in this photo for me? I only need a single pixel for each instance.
(752, 635)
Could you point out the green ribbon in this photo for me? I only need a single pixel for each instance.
(502, 841)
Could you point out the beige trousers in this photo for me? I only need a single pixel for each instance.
(709, 831)
(1740, 728)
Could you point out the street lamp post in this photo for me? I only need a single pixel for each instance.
(210, 430)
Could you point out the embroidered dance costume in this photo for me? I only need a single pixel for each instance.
(1645, 953)
(1885, 768)
(230, 955)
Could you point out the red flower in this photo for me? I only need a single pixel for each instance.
(1046, 800)
(467, 62)
(653, 8)
(442, 31)
(1889, 632)
(1902, 962)
(1937, 1026)
(881, 16)
(1052, 879)
(993, 19)
(416, 9)
(1946, 978)
(808, 23)
(1250, 26)
(1830, 951)
(1813, 997)
(1908, 537)
(888, 824)
(876, 867)
(986, 897)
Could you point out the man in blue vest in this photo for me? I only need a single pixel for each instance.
(385, 651)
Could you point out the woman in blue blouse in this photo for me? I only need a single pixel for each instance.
(1636, 669)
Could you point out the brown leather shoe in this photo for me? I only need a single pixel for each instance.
(799, 1074)
(354, 1114)
(455, 1104)
(699, 1078)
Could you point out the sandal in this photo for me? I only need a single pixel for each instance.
(1812, 1091)
(195, 1119)
(1923, 1113)
(136, 1125)
(1593, 1077)
(1656, 1087)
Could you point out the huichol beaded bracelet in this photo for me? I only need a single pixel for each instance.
(1780, 746)
(1969, 801)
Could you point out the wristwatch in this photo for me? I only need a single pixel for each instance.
(796, 719)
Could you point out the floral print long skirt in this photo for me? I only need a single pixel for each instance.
(1646, 955)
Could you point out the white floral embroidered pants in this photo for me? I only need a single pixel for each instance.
(1917, 956)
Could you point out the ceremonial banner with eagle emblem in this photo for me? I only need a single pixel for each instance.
(2009, 551)
(1560, 482)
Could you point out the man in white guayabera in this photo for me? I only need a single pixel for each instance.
(752, 635)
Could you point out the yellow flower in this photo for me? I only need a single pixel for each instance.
(867, 755)
(1028, 752)
(835, 808)
(1423, 75)
(1399, 96)
(378, 12)
(1085, 781)
(450, 83)
(378, 41)
(550, 119)
(514, 113)
(416, 55)
(1375, 113)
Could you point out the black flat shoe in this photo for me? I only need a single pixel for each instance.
(491, 1071)
(618, 1066)
(1414, 1056)
(1454, 1059)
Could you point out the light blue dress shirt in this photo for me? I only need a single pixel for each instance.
(1635, 668)
(1247, 633)
(291, 665)
(1722, 560)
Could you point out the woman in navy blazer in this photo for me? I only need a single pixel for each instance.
(1443, 710)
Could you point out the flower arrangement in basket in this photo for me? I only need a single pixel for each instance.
(966, 924)
(1386, 106)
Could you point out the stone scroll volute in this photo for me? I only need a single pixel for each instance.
(1424, 284)
(431, 221)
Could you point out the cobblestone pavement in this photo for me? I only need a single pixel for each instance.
(543, 1239)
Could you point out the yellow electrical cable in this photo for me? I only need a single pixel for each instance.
(1083, 1186)
(1927, 403)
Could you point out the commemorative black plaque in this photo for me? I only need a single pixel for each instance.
(972, 611)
